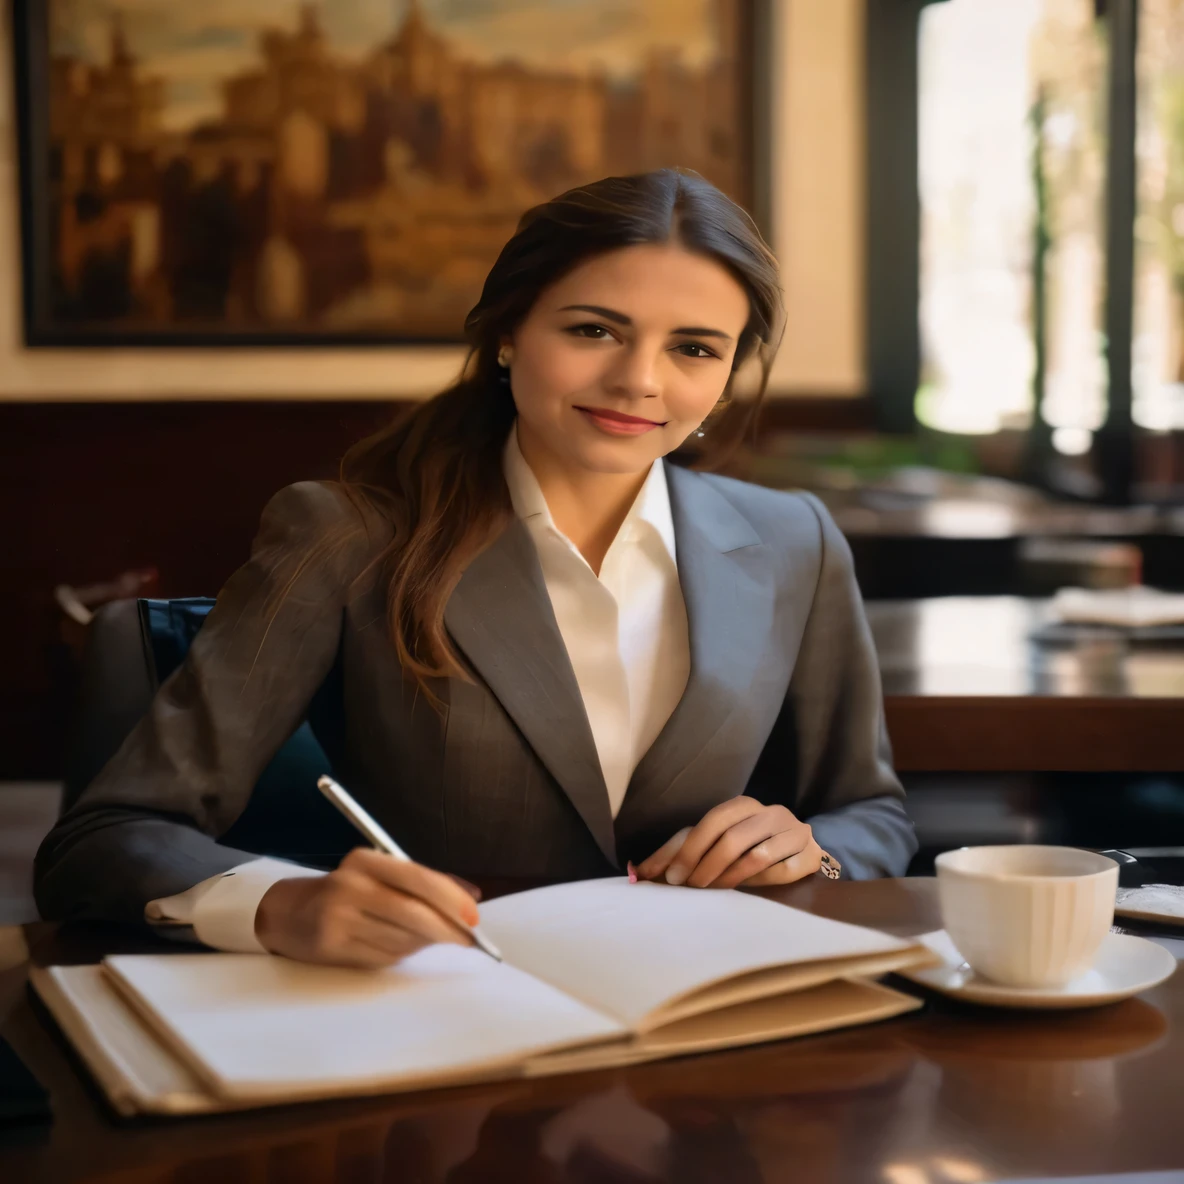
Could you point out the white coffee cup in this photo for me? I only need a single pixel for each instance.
(1027, 916)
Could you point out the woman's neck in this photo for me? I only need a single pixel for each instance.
(588, 507)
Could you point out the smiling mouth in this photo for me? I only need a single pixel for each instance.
(621, 418)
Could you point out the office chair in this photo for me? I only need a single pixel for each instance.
(132, 646)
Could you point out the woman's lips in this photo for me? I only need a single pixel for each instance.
(616, 423)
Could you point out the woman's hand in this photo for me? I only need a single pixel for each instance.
(738, 842)
(370, 912)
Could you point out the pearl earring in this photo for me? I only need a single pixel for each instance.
(503, 358)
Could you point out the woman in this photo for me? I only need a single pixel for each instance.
(554, 652)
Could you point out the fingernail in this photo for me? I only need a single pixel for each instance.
(471, 916)
(632, 872)
(675, 874)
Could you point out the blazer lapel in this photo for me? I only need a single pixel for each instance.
(728, 586)
(500, 616)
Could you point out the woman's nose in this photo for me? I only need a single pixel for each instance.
(637, 374)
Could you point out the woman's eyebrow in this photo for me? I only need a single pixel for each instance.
(620, 318)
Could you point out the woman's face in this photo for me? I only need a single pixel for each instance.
(619, 361)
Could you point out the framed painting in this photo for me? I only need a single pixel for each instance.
(261, 172)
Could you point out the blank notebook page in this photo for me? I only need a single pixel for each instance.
(254, 1025)
(628, 948)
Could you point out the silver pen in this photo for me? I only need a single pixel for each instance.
(343, 800)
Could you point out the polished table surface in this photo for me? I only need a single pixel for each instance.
(990, 516)
(953, 1093)
(967, 688)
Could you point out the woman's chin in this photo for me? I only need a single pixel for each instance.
(625, 455)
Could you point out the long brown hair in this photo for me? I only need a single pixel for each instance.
(436, 473)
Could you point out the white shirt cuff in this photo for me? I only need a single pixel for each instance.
(222, 909)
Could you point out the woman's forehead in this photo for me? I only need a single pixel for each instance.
(652, 281)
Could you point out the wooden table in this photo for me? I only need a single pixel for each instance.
(977, 541)
(966, 689)
(999, 510)
(974, 1094)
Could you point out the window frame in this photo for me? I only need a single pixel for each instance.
(893, 229)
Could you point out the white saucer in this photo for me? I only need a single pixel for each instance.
(1125, 966)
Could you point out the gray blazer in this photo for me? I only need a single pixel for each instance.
(783, 703)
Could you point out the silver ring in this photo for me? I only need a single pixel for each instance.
(830, 867)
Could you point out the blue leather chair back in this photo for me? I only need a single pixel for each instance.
(168, 628)
(286, 816)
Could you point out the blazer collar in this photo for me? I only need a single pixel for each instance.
(500, 617)
(728, 586)
(700, 509)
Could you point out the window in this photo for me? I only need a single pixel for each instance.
(1158, 344)
(1012, 164)
(1039, 280)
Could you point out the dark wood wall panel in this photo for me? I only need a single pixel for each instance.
(88, 491)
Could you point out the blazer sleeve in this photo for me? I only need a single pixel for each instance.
(846, 786)
(146, 827)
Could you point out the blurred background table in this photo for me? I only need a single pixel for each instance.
(969, 688)
(930, 534)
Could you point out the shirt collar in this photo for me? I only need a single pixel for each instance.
(651, 506)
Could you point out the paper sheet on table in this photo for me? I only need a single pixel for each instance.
(1153, 902)
(633, 950)
(1130, 608)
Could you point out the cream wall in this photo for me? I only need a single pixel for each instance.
(817, 230)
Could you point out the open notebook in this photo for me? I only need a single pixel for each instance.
(596, 974)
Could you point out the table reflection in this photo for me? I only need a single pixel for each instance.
(1032, 1085)
(993, 646)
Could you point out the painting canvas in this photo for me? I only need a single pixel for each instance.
(257, 171)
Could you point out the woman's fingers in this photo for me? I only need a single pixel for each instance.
(399, 911)
(737, 841)
(384, 939)
(804, 863)
(358, 953)
(705, 833)
(654, 868)
(371, 911)
(470, 888)
(766, 854)
(433, 888)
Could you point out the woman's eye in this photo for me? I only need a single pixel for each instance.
(692, 349)
(596, 332)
